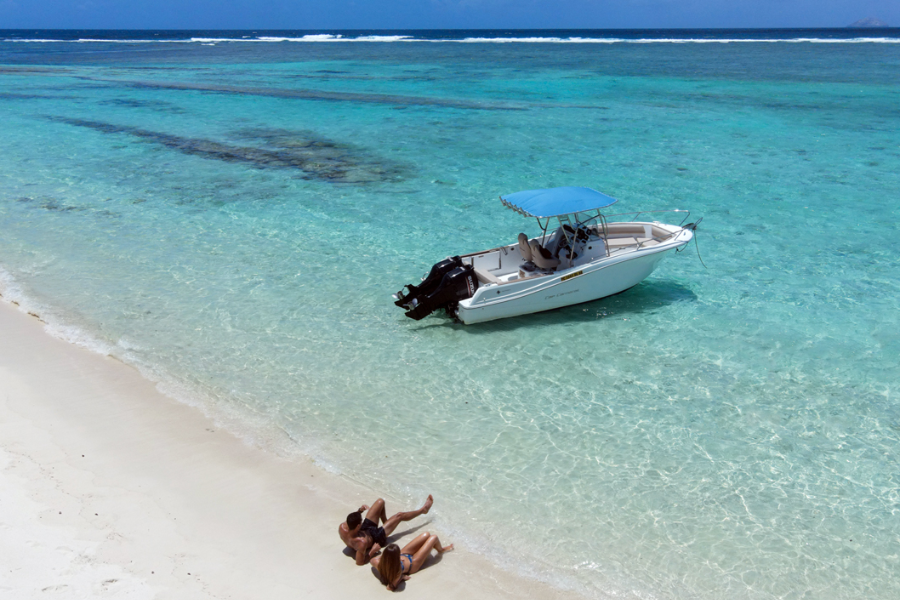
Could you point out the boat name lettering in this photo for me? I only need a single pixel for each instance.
(562, 294)
(571, 275)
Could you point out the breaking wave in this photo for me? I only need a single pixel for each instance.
(337, 38)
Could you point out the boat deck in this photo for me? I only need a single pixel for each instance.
(502, 265)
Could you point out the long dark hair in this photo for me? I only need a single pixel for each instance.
(389, 565)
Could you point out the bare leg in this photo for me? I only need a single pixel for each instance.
(377, 512)
(441, 549)
(391, 524)
(413, 546)
(424, 551)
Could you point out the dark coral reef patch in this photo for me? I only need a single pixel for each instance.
(331, 96)
(318, 158)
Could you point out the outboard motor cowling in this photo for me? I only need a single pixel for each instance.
(458, 284)
(429, 283)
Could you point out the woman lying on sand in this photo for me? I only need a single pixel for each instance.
(396, 565)
(365, 536)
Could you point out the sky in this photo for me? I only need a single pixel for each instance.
(439, 14)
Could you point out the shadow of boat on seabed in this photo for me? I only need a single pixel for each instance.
(646, 296)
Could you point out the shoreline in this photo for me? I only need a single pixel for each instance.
(108, 487)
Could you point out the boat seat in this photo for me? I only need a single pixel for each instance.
(542, 257)
(524, 248)
(527, 268)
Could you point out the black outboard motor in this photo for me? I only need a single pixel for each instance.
(458, 284)
(429, 282)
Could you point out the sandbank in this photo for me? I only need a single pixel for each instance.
(109, 488)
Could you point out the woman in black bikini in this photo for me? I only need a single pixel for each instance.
(396, 565)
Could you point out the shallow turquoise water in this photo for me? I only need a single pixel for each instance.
(234, 218)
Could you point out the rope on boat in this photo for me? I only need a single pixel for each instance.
(693, 227)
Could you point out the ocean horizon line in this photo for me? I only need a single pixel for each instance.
(506, 35)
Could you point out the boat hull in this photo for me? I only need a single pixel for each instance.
(573, 286)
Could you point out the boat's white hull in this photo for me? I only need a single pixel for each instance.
(572, 286)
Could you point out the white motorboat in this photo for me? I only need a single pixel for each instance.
(586, 256)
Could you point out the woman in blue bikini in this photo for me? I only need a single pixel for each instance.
(396, 565)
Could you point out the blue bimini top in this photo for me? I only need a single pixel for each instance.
(554, 202)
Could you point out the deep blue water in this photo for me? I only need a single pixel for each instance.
(230, 212)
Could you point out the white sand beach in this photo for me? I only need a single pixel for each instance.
(111, 489)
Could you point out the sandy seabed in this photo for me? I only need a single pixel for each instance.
(111, 489)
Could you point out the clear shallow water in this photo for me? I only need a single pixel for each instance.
(233, 218)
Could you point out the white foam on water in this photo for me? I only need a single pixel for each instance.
(330, 38)
(384, 38)
(135, 41)
(510, 40)
(247, 424)
(13, 293)
(325, 37)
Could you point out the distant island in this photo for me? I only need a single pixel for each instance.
(870, 22)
